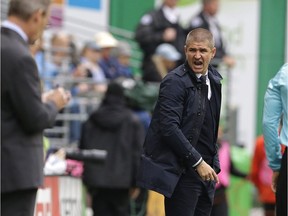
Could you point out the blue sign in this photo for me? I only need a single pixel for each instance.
(92, 4)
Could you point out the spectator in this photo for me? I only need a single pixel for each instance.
(275, 106)
(55, 71)
(57, 61)
(112, 127)
(164, 60)
(207, 19)
(53, 65)
(89, 68)
(261, 176)
(108, 62)
(90, 81)
(123, 53)
(25, 113)
(159, 26)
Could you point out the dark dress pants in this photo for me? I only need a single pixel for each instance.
(18, 203)
(192, 196)
(281, 193)
(110, 202)
(220, 205)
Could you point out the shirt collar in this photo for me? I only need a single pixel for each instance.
(199, 75)
(210, 18)
(16, 28)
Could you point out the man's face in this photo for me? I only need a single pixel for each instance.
(93, 55)
(199, 55)
(171, 3)
(212, 7)
(60, 49)
(38, 23)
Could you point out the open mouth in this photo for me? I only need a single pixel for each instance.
(198, 63)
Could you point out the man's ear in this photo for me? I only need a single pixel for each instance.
(37, 15)
(213, 52)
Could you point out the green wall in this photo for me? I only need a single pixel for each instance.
(126, 14)
(273, 28)
(123, 19)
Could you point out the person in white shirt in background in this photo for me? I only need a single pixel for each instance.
(160, 25)
(207, 19)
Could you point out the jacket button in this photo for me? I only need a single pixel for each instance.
(199, 113)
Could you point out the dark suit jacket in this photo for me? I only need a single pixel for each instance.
(169, 147)
(23, 116)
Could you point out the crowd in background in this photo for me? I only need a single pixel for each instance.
(99, 72)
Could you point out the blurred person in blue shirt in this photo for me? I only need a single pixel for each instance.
(50, 66)
(123, 54)
(109, 63)
(89, 68)
(275, 108)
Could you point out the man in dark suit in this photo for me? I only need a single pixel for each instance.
(25, 113)
(180, 158)
(207, 19)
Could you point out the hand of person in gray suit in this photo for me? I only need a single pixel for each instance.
(59, 96)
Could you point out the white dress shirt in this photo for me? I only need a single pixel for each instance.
(170, 14)
(16, 28)
(207, 83)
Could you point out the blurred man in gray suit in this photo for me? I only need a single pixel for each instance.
(25, 111)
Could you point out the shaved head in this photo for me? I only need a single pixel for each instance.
(200, 35)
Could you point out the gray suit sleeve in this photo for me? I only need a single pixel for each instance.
(25, 95)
